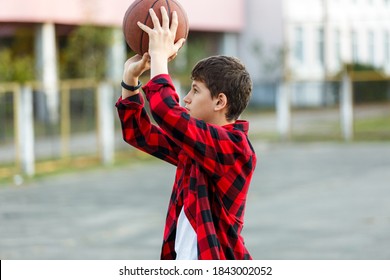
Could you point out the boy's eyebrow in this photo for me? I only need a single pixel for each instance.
(195, 86)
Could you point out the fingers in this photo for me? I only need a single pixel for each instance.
(138, 64)
(172, 57)
(155, 20)
(165, 21)
(175, 22)
(165, 18)
(146, 60)
(133, 59)
(179, 44)
(146, 57)
(144, 27)
(162, 36)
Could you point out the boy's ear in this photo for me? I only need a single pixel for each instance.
(221, 102)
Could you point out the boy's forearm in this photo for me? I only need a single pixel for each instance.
(133, 81)
(159, 65)
(133, 69)
(139, 132)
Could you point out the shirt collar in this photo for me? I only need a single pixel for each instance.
(238, 125)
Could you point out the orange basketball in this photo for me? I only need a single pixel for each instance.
(136, 38)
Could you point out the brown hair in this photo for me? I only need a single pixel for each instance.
(224, 74)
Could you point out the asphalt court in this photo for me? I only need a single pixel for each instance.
(307, 201)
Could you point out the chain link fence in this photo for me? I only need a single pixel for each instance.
(87, 131)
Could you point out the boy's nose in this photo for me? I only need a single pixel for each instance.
(186, 99)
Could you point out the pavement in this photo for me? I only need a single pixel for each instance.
(307, 201)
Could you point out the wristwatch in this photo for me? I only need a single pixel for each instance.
(131, 88)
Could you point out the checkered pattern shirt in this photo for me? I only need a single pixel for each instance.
(214, 168)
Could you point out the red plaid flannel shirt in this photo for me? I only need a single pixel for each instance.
(214, 168)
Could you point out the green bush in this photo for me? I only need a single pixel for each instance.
(84, 53)
(15, 68)
(369, 91)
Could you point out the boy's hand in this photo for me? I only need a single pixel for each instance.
(162, 46)
(133, 69)
(136, 66)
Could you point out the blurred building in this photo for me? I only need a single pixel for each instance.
(53, 18)
(303, 42)
(50, 19)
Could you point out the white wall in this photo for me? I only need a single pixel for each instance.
(264, 26)
(274, 23)
(207, 15)
(344, 16)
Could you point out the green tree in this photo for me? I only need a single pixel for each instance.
(17, 57)
(15, 68)
(368, 91)
(84, 55)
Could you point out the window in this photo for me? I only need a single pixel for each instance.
(371, 47)
(387, 47)
(337, 46)
(320, 46)
(354, 46)
(298, 45)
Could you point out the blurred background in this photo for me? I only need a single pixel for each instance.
(321, 98)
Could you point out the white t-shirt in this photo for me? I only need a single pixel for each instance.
(185, 243)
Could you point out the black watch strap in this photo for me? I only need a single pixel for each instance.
(131, 88)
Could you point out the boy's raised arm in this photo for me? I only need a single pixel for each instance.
(134, 67)
(162, 46)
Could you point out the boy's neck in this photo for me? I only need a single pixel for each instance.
(221, 122)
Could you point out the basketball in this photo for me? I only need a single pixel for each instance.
(136, 38)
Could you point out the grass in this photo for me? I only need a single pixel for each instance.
(9, 174)
(373, 129)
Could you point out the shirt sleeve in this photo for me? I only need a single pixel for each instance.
(138, 130)
(214, 147)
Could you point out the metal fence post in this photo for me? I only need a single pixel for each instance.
(25, 127)
(65, 122)
(346, 108)
(106, 129)
(46, 57)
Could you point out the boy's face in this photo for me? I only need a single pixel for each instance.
(199, 103)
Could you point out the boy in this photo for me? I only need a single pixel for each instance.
(214, 158)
